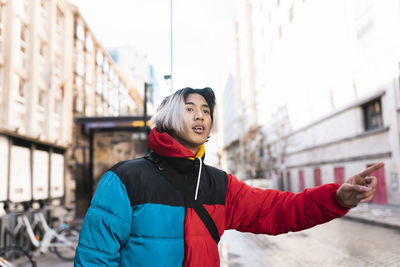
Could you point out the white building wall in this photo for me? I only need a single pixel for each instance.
(36, 66)
(38, 92)
(322, 60)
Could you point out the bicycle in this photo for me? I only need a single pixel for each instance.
(16, 256)
(41, 238)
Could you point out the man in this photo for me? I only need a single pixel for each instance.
(150, 211)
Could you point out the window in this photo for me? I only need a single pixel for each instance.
(80, 63)
(23, 44)
(58, 107)
(111, 75)
(42, 98)
(99, 85)
(105, 67)
(22, 87)
(105, 87)
(1, 78)
(23, 37)
(80, 31)
(22, 6)
(43, 4)
(89, 43)
(373, 115)
(79, 102)
(59, 28)
(99, 107)
(399, 84)
(2, 14)
(291, 13)
(280, 32)
(58, 67)
(89, 68)
(43, 49)
(43, 13)
(99, 58)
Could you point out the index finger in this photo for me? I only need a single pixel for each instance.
(371, 169)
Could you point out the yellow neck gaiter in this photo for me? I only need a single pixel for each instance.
(199, 153)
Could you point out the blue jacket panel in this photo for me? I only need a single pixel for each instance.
(114, 233)
(156, 236)
(106, 226)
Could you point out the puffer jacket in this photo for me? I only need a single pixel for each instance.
(137, 218)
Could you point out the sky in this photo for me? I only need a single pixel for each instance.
(202, 36)
(203, 48)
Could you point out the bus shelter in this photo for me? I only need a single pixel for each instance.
(108, 140)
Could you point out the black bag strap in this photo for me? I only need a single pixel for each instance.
(169, 173)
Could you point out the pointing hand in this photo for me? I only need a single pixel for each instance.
(359, 188)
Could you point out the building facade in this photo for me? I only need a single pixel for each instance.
(326, 86)
(52, 69)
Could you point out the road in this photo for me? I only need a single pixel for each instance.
(338, 243)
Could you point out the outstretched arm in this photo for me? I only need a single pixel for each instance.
(274, 212)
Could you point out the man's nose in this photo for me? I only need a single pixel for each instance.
(199, 115)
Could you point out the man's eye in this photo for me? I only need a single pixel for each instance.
(189, 109)
(206, 111)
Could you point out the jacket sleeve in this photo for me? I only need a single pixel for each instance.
(106, 225)
(274, 212)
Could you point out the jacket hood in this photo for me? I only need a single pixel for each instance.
(165, 145)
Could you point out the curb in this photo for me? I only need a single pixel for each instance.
(372, 222)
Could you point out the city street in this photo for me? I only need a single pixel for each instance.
(337, 243)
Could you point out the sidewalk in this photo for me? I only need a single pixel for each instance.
(382, 215)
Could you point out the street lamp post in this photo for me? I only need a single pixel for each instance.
(170, 76)
(172, 44)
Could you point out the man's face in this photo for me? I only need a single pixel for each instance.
(121, 152)
(197, 123)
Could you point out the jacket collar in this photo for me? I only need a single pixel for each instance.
(165, 145)
(178, 156)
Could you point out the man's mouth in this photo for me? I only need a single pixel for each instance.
(198, 129)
